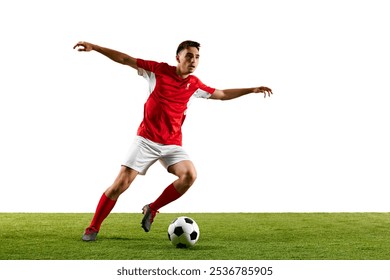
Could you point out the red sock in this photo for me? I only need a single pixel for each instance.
(168, 195)
(104, 208)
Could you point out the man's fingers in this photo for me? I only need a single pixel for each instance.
(267, 91)
(80, 46)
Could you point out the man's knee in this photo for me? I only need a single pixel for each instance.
(190, 176)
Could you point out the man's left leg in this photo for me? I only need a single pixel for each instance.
(186, 173)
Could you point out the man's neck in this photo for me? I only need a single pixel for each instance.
(180, 74)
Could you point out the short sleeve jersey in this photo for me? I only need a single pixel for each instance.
(166, 106)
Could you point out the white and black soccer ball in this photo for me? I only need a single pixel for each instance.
(183, 232)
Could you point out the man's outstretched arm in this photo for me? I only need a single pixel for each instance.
(228, 94)
(112, 54)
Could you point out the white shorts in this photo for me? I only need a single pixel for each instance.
(144, 152)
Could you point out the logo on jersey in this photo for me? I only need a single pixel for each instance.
(188, 86)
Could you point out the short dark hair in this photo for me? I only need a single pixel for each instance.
(186, 44)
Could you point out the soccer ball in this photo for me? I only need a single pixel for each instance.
(183, 232)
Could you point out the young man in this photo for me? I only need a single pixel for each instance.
(159, 135)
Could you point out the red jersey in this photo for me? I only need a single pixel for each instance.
(165, 109)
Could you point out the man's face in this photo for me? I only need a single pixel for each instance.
(188, 60)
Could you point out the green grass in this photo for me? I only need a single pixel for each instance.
(224, 236)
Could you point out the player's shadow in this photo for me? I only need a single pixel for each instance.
(119, 238)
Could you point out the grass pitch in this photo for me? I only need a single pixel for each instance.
(223, 236)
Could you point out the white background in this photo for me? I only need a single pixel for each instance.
(320, 143)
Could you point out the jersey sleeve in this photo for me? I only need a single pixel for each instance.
(147, 65)
(203, 91)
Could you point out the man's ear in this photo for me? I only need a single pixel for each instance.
(177, 58)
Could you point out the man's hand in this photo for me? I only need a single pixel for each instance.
(83, 46)
(264, 90)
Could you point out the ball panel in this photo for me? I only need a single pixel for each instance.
(194, 236)
(171, 228)
(188, 228)
(179, 230)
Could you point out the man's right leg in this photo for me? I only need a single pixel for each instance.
(108, 200)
